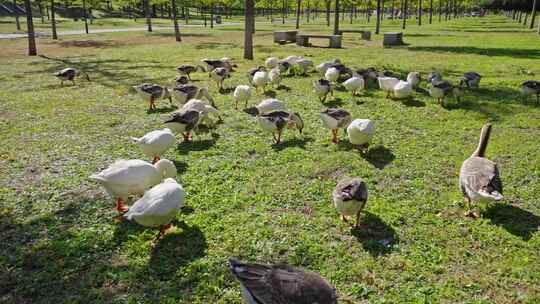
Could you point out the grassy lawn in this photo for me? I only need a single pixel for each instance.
(261, 202)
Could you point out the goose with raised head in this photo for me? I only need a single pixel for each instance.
(266, 106)
(479, 178)
(155, 143)
(151, 92)
(350, 197)
(281, 284)
(184, 122)
(127, 177)
(322, 88)
(69, 74)
(158, 206)
(335, 119)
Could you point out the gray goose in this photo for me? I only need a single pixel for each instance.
(180, 80)
(440, 89)
(152, 92)
(531, 87)
(470, 80)
(479, 177)
(186, 92)
(281, 284)
(69, 74)
(184, 122)
(433, 76)
(276, 121)
(350, 197)
(335, 119)
(188, 69)
(219, 75)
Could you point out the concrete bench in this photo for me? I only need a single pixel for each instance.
(364, 34)
(334, 40)
(393, 38)
(282, 37)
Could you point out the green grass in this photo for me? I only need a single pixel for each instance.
(261, 202)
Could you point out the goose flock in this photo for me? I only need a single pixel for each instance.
(161, 196)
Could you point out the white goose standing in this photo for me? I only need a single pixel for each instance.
(155, 143)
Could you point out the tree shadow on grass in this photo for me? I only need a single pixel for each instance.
(334, 102)
(515, 220)
(492, 52)
(411, 102)
(374, 234)
(284, 88)
(294, 142)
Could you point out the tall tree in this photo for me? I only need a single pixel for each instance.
(405, 14)
(533, 14)
(147, 14)
(378, 24)
(16, 11)
(85, 17)
(328, 3)
(298, 3)
(419, 12)
(430, 11)
(175, 21)
(249, 25)
(53, 21)
(336, 19)
(32, 50)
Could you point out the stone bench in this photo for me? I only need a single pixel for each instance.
(393, 38)
(334, 40)
(282, 37)
(364, 34)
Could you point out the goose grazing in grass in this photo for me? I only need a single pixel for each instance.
(212, 64)
(184, 122)
(204, 109)
(284, 66)
(219, 75)
(442, 89)
(127, 177)
(281, 284)
(354, 84)
(479, 177)
(322, 88)
(350, 197)
(271, 62)
(242, 93)
(335, 119)
(434, 76)
(303, 65)
(275, 77)
(155, 143)
(387, 84)
(332, 75)
(414, 79)
(251, 73)
(184, 93)
(323, 67)
(403, 89)
(69, 74)
(151, 92)
(276, 121)
(260, 81)
(360, 133)
(186, 70)
(266, 106)
(470, 80)
(180, 80)
(531, 87)
(158, 206)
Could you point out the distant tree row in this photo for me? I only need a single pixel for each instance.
(522, 11)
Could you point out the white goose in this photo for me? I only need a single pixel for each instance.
(266, 106)
(158, 206)
(403, 89)
(350, 197)
(271, 62)
(304, 65)
(275, 77)
(354, 84)
(360, 133)
(155, 143)
(242, 93)
(260, 80)
(204, 109)
(126, 177)
(413, 78)
(387, 84)
(332, 75)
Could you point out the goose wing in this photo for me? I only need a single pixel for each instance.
(478, 173)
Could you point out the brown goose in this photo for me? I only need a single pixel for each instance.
(188, 69)
(479, 177)
(69, 74)
(184, 122)
(152, 92)
(276, 121)
(350, 197)
(281, 284)
(335, 119)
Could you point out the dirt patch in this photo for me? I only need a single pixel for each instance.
(89, 43)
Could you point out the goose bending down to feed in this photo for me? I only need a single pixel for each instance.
(219, 75)
(155, 143)
(332, 75)
(184, 122)
(442, 89)
(271, 62)
(324, 66)
(275, 77)
(470, 80)
(479, 177)
(304, 65)
(322, 88)
(187, 92)
(360, 133)
(276, 121)
(266, 106)
(180, 80)
(281, 284)
(388, 84)
(158, 206)
(350, 197)
(188, 69)
(260, 81)
(335, 119)
(284, 66)
(127, 177)
(69, 74)
(354, 84)
(151, 92)
(403, 89)
(212, 64)
(414, 79)
(242, 93)
(531, 87)
(205, 110)
(434, 76)
(251, 73)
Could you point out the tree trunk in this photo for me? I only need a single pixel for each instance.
(53, 22)
(84, 16)
(392, 11)
(212, 16)
(186, 15)
(40, 7)
(440, 10)
(336, 19)
(378, 24)
(533, 14)
(419, 12)
(430, 11)
(404, 14)
(283, 12)
(16, 16)
(248, 29)
(175, 21)
(147, 13)
(298, 3)
(32, 51)
(328, 13)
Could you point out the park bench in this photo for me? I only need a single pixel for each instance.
(393, 38)
(364, 34)
(283, 37)
(334, 40)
